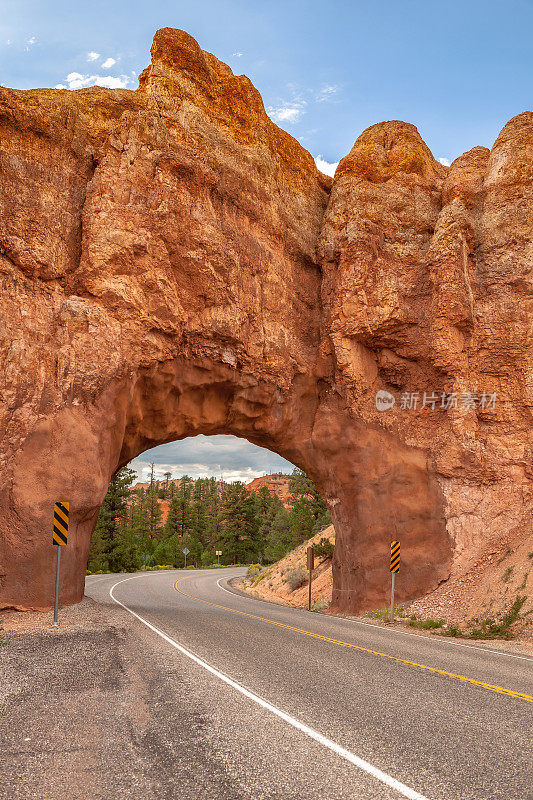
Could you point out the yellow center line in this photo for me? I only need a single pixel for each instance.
(482, 684)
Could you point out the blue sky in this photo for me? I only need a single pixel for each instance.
(457, 70)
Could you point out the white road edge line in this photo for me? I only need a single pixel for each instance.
(406, 633)
(381, 776)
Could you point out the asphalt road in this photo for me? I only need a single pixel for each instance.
(309, 706)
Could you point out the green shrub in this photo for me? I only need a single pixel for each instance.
(320, 605)
(452, 630)
(379, 614)
(207, 558)
(324, 548)
(296, 578)
(500, 627)
(507, 574)
(425, 624)
(191, 566)
(254, 570)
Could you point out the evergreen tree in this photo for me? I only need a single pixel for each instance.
(279, 535)
(171, 526)
(239, 525)
(114, 508)
(114, 514)
(301, 521)
(126, 555)
(140, 524)
(184, 515)
(304, 492)
(154, 508)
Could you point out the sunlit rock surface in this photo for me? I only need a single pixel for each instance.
(172, 263)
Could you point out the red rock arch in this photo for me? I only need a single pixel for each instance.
(375, 487)
(173, 263)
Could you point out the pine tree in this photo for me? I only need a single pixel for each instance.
(171, 526)
(140, 524)
(239, 525)
(304, 492)
(114, 513)
(154, 508)
(301, 521)
(279, 537)
(184, 515)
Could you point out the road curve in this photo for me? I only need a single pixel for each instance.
(313, 706)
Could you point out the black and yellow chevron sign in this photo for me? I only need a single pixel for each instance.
(395, 556)
(60, 534)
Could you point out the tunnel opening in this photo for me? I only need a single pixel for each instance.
(376, 487)
(202, 501)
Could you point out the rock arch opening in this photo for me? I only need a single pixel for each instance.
(205, 493)
(375, 487)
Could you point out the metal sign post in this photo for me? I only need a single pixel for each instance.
(59, 538)
(394, 568)
(55, 623)
(185, 552)
(218, 553)
(310, 567)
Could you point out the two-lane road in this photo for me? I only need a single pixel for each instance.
(321, 707)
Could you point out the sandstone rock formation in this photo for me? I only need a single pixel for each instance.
(172, 263)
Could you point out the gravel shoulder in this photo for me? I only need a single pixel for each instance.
(93, 710)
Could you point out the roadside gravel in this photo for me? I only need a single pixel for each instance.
(91, 711)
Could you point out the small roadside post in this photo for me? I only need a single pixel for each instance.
(59, 538)
(218, 553)
(310, 567)
(185, 552)
(394, 568)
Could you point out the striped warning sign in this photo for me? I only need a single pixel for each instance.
(394, 556)
(60, 534)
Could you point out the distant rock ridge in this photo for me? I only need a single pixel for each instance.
(173, 264)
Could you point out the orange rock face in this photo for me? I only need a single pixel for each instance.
(172, 263)
(275, 485)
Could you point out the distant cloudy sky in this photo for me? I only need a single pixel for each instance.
(202, 456)
(457, 70)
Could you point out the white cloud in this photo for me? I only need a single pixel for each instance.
(93, 56)
(204, 456)
(237, 55)
(327, 92)
(325, 166)
(75, 80)
(109, 62)
(8, 41)
(109, 82)
(287, 112)
(30, 42)
(444, 161)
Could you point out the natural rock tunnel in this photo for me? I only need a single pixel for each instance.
(172, 263)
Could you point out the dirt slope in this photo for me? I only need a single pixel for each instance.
(484, 585)
(272, 584)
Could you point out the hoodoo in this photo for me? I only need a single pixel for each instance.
(172, 263)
